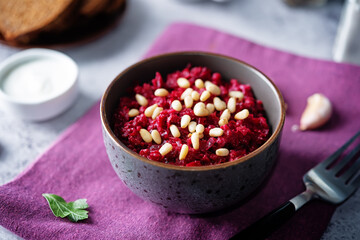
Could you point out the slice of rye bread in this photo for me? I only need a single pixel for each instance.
(21, 19)
(91, 8)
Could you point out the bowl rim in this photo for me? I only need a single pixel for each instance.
(273, 137)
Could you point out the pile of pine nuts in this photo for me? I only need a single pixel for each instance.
(192, 99)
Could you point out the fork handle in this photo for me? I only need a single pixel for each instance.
(273, 220)
(269, 223)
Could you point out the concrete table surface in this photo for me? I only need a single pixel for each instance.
(307, 31)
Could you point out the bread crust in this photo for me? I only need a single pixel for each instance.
(114, 6)
(17, 16)
(91, 8)
(24, 22)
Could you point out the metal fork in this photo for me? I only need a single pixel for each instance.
(322, 182)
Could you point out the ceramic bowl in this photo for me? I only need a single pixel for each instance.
(193, 189)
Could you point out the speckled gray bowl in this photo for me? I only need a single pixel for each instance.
(193, 189)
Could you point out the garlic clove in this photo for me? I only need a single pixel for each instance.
(317, 112)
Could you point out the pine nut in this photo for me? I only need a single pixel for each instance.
(192, 127)
(212, 88)
(243, 114)
(210, 107)
(223, 122)
(195, 141)
(231, 105)
(199, 83)
(205, 96)
(188, 102)
(183, 82)
(141, 100)
(187, 92)
(207, 83)
(165, 149)
(226, 114)
(133, 112)
(201, 135)
(174, 131)
(236, 94)
(156, 136)
(222, 152)
(150, 110)
(219, 104)
(185, 120)
(200, 128)
(200, 110)
(195, 96)
(216, 132)
(156, 112)
(161, 92)
(184, 151)
(145, 135)
(176, 104)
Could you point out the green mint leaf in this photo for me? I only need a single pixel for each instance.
(57, 205)
(77, 215)
(74, 211)
(79, 204)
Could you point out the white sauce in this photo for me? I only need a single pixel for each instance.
(36, 80)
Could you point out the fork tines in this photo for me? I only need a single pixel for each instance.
(347, 160)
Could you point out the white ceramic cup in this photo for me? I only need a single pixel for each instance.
(64, 76)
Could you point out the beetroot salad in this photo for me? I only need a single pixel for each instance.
(191, 118)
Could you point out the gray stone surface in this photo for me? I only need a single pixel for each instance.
(305, 31)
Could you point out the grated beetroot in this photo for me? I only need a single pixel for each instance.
(240, 136)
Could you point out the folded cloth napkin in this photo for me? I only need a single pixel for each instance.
(76, 166)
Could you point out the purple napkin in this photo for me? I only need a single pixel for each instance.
(76, 166)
